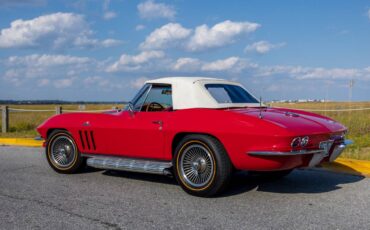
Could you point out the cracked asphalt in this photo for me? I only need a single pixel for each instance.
(33, 196)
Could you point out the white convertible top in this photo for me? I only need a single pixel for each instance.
(190, 92)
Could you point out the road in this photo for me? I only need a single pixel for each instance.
(32, 196)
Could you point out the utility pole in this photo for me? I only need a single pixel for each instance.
(351, 83)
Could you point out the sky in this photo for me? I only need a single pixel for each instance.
(104, 50)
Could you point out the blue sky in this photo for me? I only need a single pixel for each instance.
(105, 50)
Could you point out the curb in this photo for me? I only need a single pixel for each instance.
(26, 142)
(349, 166)
(341, 165)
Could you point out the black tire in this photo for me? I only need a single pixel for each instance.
(273, 175)
(67, 159)
(210, 170)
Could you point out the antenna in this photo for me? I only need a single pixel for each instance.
(260, 115)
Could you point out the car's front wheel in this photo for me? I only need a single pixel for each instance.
(62, 152)
(202, 166)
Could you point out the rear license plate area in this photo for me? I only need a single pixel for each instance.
(326, 146)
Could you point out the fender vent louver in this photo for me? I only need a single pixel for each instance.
(92, 139)
(87, 140)
(82, 140)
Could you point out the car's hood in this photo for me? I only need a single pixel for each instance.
(296, 121)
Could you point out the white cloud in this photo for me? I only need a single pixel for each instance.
(134, 62)
(262, 47)
(187, 64)
(141, 58)
(13, 76)
(138, 82)
(37, 60)
(85, 42)
(219, 35)
(43, 82)
(139, 27)
(175, 35)
(322, 73)
(219, 65)
(318, 73)
(63, 83)
(165, 36)
(234, 64)
(101, 83)
(150, 10)
(230, 64)
(41, 69)
(58, 30)
(108, 14)
(110, 42)
(55, 28)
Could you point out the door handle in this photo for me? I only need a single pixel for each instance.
(158, 122)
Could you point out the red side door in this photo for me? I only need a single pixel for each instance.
(141, 135)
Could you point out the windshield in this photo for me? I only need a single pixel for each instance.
(139, 97)
(224, 93)
(153, 98)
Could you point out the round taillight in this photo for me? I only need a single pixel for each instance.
(304, 141)
(296, 142)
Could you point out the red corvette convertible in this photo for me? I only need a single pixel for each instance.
(199, 129)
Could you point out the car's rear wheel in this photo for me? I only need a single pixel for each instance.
(202, 166)
(62, 152)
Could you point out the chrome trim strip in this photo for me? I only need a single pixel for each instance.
(278, 153)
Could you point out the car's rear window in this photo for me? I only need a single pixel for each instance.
(224, 93)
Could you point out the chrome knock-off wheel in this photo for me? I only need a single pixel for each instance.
(201, 165)
(196, 165)
(63, 151)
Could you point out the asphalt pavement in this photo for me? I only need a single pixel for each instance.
(33, 196)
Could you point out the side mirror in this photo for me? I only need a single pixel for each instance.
(130, 108)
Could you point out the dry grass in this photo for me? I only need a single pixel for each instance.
(23, 124)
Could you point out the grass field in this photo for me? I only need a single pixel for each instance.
(23, 124)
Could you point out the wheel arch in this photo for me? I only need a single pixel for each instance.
(52, 130)
(179, 136)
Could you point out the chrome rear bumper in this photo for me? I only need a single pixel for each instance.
(338, 149)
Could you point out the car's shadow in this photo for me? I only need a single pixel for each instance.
(299, 181)
(87, 169)
(141, 176)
